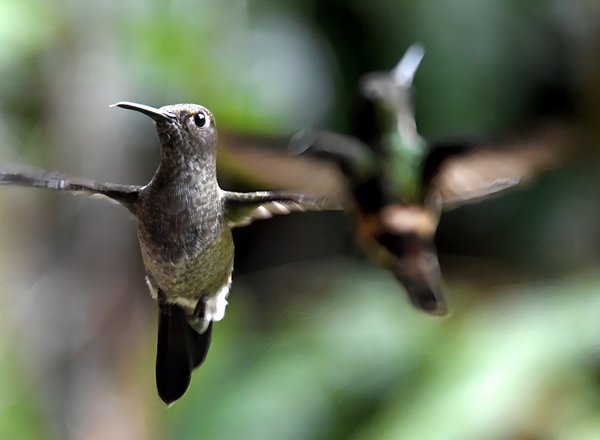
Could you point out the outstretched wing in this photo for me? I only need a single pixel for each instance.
(459, 173)
(38, 178)
(269, 161)
(241, 209)
(354, 158)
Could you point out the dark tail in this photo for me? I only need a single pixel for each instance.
(425, 296)
(415, 265)
(180, 350)
(421, 277)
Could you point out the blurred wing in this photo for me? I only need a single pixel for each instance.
(337, 147)
(241, 209)
(38, 178)
(353, 157)
(268, 162)
(466, 172)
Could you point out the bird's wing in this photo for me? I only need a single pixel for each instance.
(354, 158)
(269, 161)
(38, 178)
(241, 209)
(465, 172)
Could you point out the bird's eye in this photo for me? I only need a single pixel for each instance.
(200, 119)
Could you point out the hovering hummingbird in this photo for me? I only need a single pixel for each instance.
(399, 184)
(184, 227)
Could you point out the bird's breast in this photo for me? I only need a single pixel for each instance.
(187, 252)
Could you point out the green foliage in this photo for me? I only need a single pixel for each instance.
(350, 359)
(360, 363)
(19, 417)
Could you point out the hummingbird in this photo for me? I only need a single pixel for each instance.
(185, 223)
(399, 184)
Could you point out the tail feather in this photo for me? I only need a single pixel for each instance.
(425, 296)
(413, 260)
(180, 350)
(199, 346)
(421, 277)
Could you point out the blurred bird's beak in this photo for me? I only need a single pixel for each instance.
(154, 113)
(406, 69)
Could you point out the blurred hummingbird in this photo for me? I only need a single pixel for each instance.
(399, 184)
(184, 227)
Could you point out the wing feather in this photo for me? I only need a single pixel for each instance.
(39, 178)
(241, 209)
(461, 173)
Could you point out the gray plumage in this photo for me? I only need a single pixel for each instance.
(184, 228)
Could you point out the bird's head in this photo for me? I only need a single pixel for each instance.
(186, 131)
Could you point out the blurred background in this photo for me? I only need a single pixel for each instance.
(318, 343)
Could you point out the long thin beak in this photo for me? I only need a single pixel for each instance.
(405, 71)
(154, 113)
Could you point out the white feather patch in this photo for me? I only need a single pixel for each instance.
(215, 305)
(153, 290)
